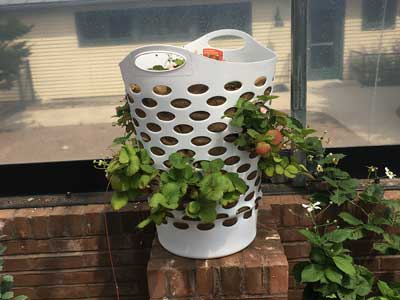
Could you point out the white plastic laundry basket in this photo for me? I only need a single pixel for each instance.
(182, 109)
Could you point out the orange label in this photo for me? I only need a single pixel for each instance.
(213, 53)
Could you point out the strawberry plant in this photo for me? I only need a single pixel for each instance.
(197, 191)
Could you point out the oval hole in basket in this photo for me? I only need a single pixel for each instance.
(149, 102)
(216, 101)
(153, 127)
(232, 160)
(222, 216)
(205, 226)
(198, 89)
(162, 90)
(167, 163)
(252, 175)
(230, 205)
(145, 137)
(183, 128)
(260, 81)
(249, 196)
(216, 151)
(243, 168)
(157, 151)
(247, 96)
(248, 214)
(135, 122)
(230, 112)
(169, 140)
(165, 116)
(258, 199)
(227, 42)
(242, 209)
(129, 98)
(181, 225)
(140, 113)
(230, 222)
(180, 103)
(201, 140)
(217, 127)
(268, 91)
(199, 115)
(230, 138)
(187, 152)
(135, 88)
(253, 154)
(258, 180)
(233, 86)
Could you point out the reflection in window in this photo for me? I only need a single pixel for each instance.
(379, 14)
(160, 23)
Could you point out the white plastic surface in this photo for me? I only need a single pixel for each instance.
(244, 65)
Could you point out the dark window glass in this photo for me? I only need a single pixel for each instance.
(379, 14)
(161, 24)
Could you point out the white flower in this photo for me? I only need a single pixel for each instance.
(389, 173)
(310, 157)
(320, 169)
(312, 206)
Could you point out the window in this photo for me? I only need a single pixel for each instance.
(160, 24)
(379, 14)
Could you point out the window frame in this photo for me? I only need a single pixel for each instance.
(367, 26)
(80, 176)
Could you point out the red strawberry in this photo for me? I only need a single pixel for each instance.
(262, 148)
(277, 135)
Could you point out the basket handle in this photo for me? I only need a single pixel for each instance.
(203, 42)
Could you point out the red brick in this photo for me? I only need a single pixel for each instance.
(39, 220)
(295, 295)
(371, 263)
(291, 235)
(255, 280)
(181, 276)
(390, 262)
(297, 250)
(157, 279)
(278, 274)
(204, 278)
(22, 225)
(7, 223)
(231, 279)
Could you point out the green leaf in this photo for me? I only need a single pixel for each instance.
(338, 235)
(279, 170)
(7, 295)
(238, 182)
(312, 237)
(333, 275)
(237, 121)
(344, 265)
(374, 228)
(156, 200)
(133, 166)
(317, 255)
(312, 273)
(298, 269)
(350, 219)
(178, 161)
(216, 165)
(385, 289)
(21, 297)
(119, 200)
(269, 171)
(123, 156)
(208, 212)
(193, 207)
(144, 181)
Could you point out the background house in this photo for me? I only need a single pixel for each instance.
(77, 44)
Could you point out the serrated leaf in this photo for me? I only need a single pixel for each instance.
(269, 171)
(193, 207)
(312, 237)
(312, 273)
(119, 200)
(133, 166)
(123, 156)
(350, 219)
(238, 182)
(344, 265)
(216, 165)
(144, 181)
(208, 212)
(178, 161)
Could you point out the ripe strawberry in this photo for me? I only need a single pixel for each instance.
(277, 135)
(262, 148)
